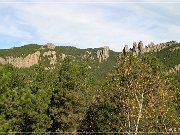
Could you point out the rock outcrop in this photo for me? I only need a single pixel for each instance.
(154, 48)
(50, 46)
(51, 56)
(32, 59)
(2, 60)
(174, 49)
(135, 49)
(140, 48)
(63, 56)
(21, 62)
(150, 48)
(126, 49)
(176, 69)
(103, 54)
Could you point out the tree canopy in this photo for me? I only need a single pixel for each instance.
(139, 95)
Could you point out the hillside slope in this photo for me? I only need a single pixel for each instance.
(99, 60)
(170, 56)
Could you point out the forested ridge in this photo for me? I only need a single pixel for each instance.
(125, 94)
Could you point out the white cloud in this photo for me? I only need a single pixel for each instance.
(9, 27)
(87, 24)
(86, 28)
(13, 31)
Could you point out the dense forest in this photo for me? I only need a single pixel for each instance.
(136, 94)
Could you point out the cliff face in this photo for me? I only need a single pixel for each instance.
(44, 52)
(140, 49)
(50, 46)
(21, 62)
(103, 54)
(30, 60)
(50, 55)
(2, 60)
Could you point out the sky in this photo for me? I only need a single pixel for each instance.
(88, 23)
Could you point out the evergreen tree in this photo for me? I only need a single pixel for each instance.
(41, 88)
(24, 103)
(69, 102)
(12, 94)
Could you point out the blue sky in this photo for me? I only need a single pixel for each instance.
(88, 23)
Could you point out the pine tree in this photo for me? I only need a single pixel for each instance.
(24, 103)
(12, 93)
(41, 88)
(68, 103)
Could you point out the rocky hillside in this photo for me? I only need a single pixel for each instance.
(100, 60)
(168, 53)
(170, 56)
(140, 48)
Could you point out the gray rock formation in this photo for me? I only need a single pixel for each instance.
(135, 49)
(174, 49)
(150, 48)
(63, 56)
(51, 56)
(50, 46)
(21, 62)
(126, 49)
(146, 49)
(140, 48)
(103, 54)
(154, 48)
(2, 60)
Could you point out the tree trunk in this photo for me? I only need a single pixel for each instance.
(140, 113)
(129, 124)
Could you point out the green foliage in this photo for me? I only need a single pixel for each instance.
(13, 109)
(19, 51)
(100, 70)
(10, 78)
(170, 56)
(40, 86)
(138, 97)
(23, 106)
(68, 103)
(11, 100)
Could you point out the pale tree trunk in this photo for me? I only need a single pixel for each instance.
(129, 124)
(140, 111)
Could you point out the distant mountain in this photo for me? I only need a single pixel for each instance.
(170, 56)
(100, 60)
(168, 53)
